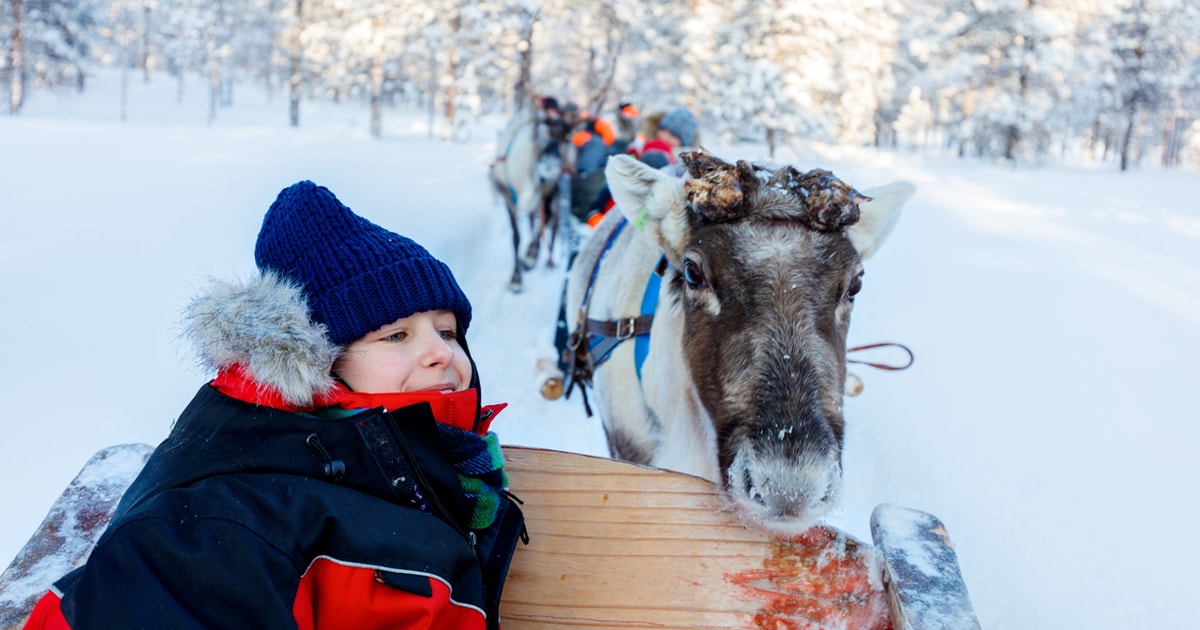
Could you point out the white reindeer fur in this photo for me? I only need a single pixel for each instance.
(516, 153)
(663, 413)
(263, 323)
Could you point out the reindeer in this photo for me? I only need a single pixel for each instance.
(529, 162)
(735, 283)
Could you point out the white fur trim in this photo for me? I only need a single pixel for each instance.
(263, 323)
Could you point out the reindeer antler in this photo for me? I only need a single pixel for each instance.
(830, 203)
(716, 188)
(720, 192)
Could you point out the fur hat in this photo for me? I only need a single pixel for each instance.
(682, 123)
(356, 275)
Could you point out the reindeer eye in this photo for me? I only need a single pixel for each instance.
(692, 274)
(855, 287)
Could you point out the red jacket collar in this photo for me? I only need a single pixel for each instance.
(456, 409)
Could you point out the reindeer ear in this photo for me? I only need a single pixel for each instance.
(632, 182)
(653, 200)
(878, 216)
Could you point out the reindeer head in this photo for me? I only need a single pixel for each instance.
(764, 265)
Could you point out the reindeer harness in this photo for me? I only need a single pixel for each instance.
(593, 340)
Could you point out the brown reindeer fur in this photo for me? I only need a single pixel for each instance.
(746, 368)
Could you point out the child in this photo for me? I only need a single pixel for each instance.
(337, 472)
(678, 129)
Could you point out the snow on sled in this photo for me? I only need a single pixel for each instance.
(616, 545)
(66, 536)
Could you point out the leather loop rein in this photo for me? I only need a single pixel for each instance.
(881, 366)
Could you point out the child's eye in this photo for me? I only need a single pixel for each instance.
(396, 337)
(449, 335)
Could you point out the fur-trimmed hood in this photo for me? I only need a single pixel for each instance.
(263, 324)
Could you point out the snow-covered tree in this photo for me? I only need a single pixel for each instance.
(127, 41)
(819, 69)
(294, 19)
(1022, 80)
(483, 40)
(661, 64)
(1151, 59)
(600, 54)
(46, 43)
(1002, 70)
(751, 100)
(865, 43)
(358, 49)
(798, 39)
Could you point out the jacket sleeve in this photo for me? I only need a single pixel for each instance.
(204, 574)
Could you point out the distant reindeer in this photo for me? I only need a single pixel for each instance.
(526, 172)
(737, 367)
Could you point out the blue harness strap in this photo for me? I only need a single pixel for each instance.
(587, 295)
(641, 344)
(601, 345)
(593, 341)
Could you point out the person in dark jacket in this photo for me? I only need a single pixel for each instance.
(338, 472)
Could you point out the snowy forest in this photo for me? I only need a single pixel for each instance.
(1018, 81)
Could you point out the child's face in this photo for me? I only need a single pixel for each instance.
(413, 354)
(669, 138)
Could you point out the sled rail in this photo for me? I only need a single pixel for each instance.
(65, 538)
(925, 587)
(616, 545)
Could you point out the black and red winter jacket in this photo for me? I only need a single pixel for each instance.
(249, 516)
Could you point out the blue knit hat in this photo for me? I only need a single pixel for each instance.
(682, 123)
(357, 275)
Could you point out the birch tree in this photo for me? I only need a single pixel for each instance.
(48, 43)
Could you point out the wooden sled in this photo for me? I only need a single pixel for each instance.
(615, 545)
(66, 536)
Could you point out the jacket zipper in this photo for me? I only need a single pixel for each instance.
(443, 513)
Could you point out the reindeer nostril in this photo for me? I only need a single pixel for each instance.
(751, 490)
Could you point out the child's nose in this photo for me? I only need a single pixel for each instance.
(437, 351)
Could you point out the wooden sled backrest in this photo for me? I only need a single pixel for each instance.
(615, 545)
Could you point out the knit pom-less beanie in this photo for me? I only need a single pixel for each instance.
(682, 123)
(357, 276)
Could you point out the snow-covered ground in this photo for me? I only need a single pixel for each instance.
(1054, 312)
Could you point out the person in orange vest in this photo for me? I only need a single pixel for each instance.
(627, 119)
(598, 127)
(592, 148)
